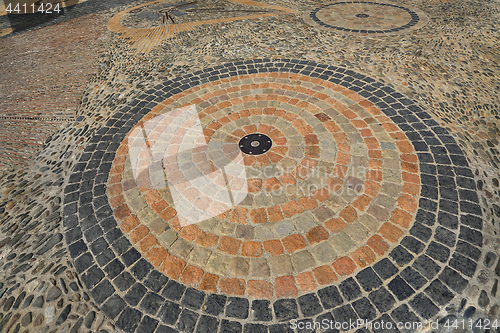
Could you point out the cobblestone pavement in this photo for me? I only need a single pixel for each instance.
(244, 166)
(38, 95)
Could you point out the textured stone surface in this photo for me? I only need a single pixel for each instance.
(441, 262)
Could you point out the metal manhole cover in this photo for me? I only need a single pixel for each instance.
(255, 144)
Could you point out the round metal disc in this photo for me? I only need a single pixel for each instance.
(255, 144)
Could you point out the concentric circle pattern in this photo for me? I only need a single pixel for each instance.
(313, 211)
(366, 18)
(360, 190)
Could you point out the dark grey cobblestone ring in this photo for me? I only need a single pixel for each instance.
(422, 274)
(366, 18)
(413, 21)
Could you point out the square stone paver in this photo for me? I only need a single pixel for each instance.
(239, 266)
(138, 203)
(302, 261)
(336, 204)
(218, 263)
(259, 267)
(181, 248)
(323, 252)
(284, 228)
(168, 237)
(264, 232)
(199, 256)
(147, 215)
(304, 222)
(369, 222)
(342, 243)
(157, 226)
(281, 265)
(357, 232)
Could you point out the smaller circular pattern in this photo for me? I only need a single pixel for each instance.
(366, 18)
(255, 144)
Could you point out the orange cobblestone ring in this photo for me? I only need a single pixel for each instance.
(323, 240)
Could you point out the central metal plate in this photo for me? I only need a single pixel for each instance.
(255, 144)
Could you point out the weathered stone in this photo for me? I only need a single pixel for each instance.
(64, 315)
(73, 286)
(4, 241)
(63, 285)
(50, 313)
(82, 309)
(469, 312)
(99, 318)
(65, 328)
(26, 319)
(16, 329)
(38, 320)
(50, 244)
(38, 303)
(53, 293)
(494, 311)
(77, 325)
(483, 299)
(239, 266)
(489, 259)
(483, 277)
(281, 265)
(89, 319)
(19, 299)
(27, 301)
(12, 321)
(8, 303)
(43, 286)
(5, 320)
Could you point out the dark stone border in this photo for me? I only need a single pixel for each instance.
(414, 18)
(128, 289)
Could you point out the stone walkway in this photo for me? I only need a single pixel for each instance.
(39, 95)
(244, 166)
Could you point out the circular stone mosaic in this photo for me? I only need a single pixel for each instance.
(148, 24)
(363, 207)
(366, 18)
